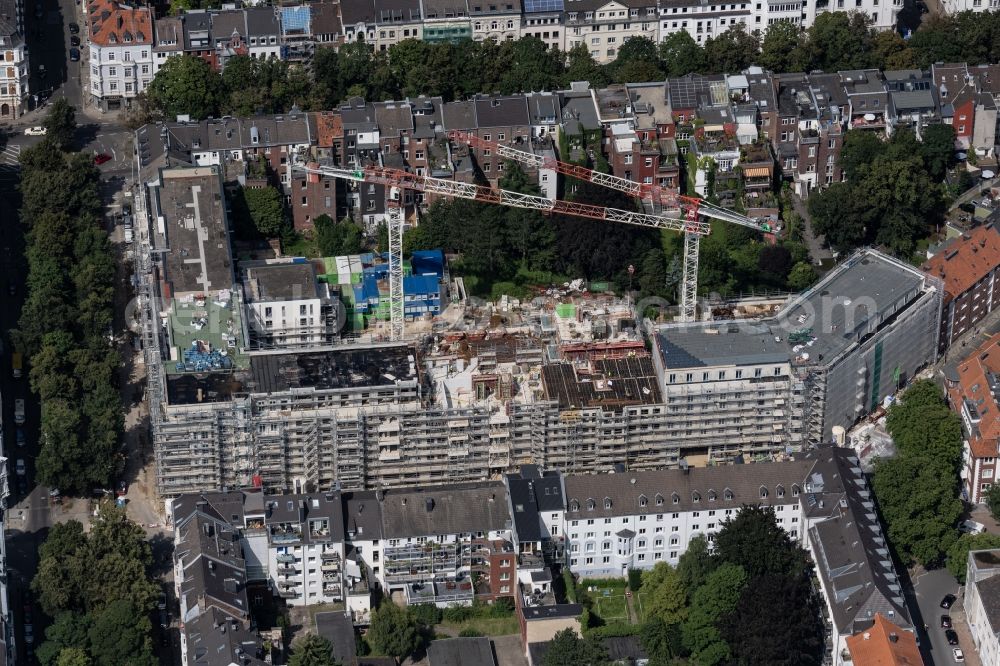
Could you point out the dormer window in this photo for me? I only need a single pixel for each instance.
(607, 502)
(591, 505)
(728, 494)
(763, 492)
(676, 498)
(795, 490)
(574, 506)
(696, 496)
(712, 496)
(642, 500)
(780, 491)
(659, 499)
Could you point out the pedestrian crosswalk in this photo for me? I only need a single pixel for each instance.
(10, 154)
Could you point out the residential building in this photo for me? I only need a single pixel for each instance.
(263, 32)
(461, 652)
(974, 394)
(121, 53)
(810, 132)
(982, 603)
(287, 306)
(230, 35)
(703, 20)
(883, 15)
(544, 19)
(957, 97)
(969, 267)
(912, 99)
(382, 23)
(445, 20)
(867, 100)
(14, 88)
(884, 644)
(604, 25)
(848, 547)
(495, 20)
(956, 6)
(633, 520)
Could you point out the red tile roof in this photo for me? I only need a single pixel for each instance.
(884, 644)
(112, 24)
(966, 260)
(973, 385)
(329, 127)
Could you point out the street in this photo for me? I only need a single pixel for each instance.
(929, 588)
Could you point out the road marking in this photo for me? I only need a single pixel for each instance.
(10, 155)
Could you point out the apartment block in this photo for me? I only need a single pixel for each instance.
(982, 592)
(14, 88)
(810, 129)
(287, 306)
(495, 20)
(974, 394)
(969, 267)
(544, 20)
(121, 53)
(604, 25)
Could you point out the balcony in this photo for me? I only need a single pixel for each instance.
(286, 535)
(530, 562)
(442, 594)
(287, 570)
(330, 555)
(285, 558)
(289, 594)
(868, 121)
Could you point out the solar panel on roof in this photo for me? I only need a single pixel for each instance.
(543, 5)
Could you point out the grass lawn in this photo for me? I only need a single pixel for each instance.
(301, 247)
(611, 608)
(487, 626)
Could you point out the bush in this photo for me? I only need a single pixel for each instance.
(634, 579)
(426, 614)
(470, 633)
(570, 583)
(502, 607)
(614, 630)
(458, 613)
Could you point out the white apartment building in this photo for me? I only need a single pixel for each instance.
(287, 305)
(883, 13)
(13, 70)
(603, 25)
(121, 48)
(982, 590)
(632, 520)
(495, 20)
(956, 6)
(544, 19)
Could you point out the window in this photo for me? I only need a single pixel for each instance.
(112, 71)
(607, 503)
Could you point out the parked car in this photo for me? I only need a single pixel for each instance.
(29, 634)
(946, 621)
(101, 158)
(74, 40)
(951, 636)
(20, 467)
(38, 130)
(161, 603)
(958, 655)
(74, 54)
(127, 209)
(21, 439)
(972, 527)
(948, 600)
(19, 411)
(74, 29)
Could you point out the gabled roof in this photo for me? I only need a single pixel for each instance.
(227, 23)
(501, 111)
(442, 510)
(966, 260)
(531, 494)
(977, 389)
(113, 24)
(262, 21)
(459, 115)
(884, 644)
(461, 652)
(329, 128)
(215, 638)
(326, 18)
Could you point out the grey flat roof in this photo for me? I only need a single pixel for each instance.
(848, 304)
(282, 282)
(192, 205)
(461, 652)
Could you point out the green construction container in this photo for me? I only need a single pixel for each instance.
(566, 310)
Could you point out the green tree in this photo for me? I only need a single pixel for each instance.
(958, 552)
(938, 149)
(921, 424)
(60, 123)
(665, 595)
(801, 277)
(753, 540)
(63, 566)
(838, 214)
(891, 51)
(266, 209)
(732, 51)
(919, 501)
(68, 630)
(568, 649)
(120, 635)
(336, 239)
(992, 500)
(661, 641)
(695, 564)
(581, 66)
(861, 148)
(754, 637)
(783, 48)
(637, 60)
(312, 650)
(838, 40)
(185, 85)
(716, 597)
(681, 55)
(73, 656)
(393, 631)
(937, 40)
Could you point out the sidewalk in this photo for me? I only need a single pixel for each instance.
(961, 628)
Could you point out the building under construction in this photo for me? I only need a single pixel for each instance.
(567, 385)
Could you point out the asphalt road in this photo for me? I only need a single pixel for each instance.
(929, 589)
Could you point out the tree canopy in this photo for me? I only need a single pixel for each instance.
(393, 631)
(568, 649)
(312, 650)
(60, 123)
(185, 85)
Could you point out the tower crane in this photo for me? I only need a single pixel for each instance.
(398, 180)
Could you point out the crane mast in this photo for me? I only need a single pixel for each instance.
(688, 207)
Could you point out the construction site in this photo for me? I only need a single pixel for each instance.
(571, 381)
